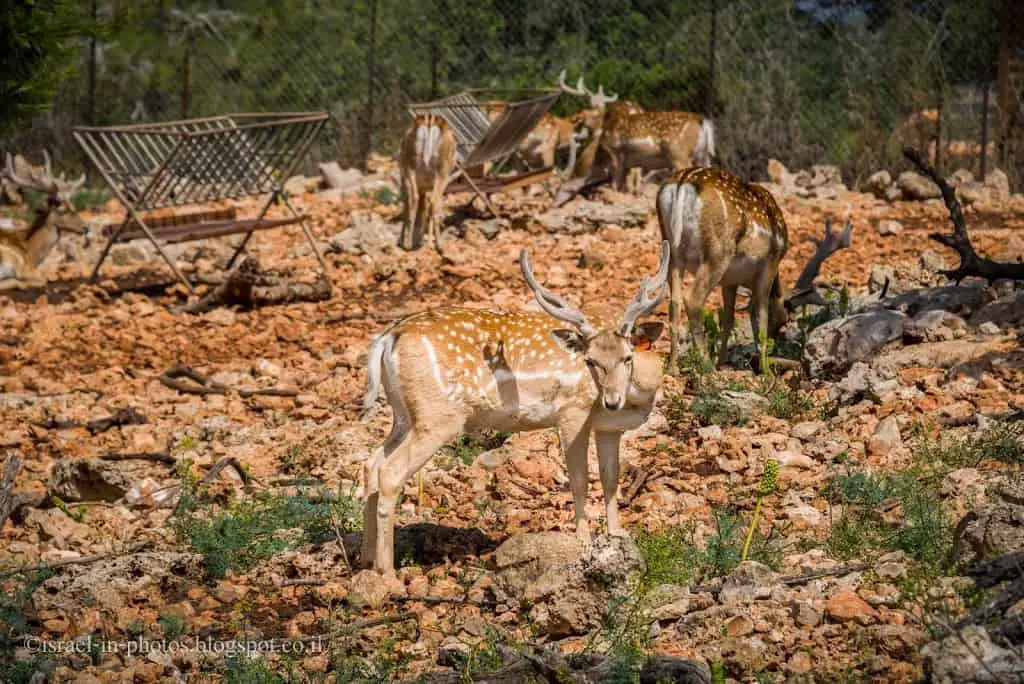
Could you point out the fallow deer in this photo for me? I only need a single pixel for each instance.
(654, 141)
(22, 251)
(454, 370)
(426, 163)
(725, 232)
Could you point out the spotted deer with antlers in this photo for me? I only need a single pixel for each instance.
(426, 162)
(453, 370)
(22, 251)
(727, 233)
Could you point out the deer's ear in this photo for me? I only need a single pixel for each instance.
(646, 334)
(570, 340)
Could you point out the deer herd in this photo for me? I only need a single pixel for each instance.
(449, 371)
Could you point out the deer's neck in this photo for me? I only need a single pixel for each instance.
(41, 237)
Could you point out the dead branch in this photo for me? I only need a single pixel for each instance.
(970, 263)
(156, 456)
(123, 416)
(303, 582)
(247, 286)
(202, 384)
(220, 465)
(805, 292)
(127, 551)
(12, 464)
(793, 580)
(359, 625)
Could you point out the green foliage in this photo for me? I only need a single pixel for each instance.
(386, 667)
(467, 447)
(670, 555)
(250, 530)
(38, 43)
(245, 669)
(1001, 441)
(923, 530)
(173, 626)
(787, 403)
(90, 198)
(15, 593)
(711, 408)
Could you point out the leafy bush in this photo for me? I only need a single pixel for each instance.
(249, 531)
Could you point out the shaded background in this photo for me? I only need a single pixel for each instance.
(846, 82)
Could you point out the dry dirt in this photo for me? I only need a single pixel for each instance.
(89, 353)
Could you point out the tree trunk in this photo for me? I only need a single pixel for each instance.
(371, 77)
(709, 105)
(984, 132)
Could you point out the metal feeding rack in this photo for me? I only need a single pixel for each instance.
(480, 141)
(154, 166)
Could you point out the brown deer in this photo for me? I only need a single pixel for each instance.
(454, 370)
(426, 162)
(22, 251)
(654, 141)
(725, 232)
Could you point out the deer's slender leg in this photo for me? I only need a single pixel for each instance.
(675, 306)
(371, 484)
(759, 311)
(408, 457)
(411, 201)
(707, 276)
(728, 320)
(608, 464)
(574, 438)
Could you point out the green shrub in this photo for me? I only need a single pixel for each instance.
(248, 531)
(468, 447)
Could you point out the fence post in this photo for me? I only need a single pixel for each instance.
(371, 77)
(709, 106)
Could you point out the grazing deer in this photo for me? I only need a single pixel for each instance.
(725, 232)
(426, 163)
(452, 370)
(23, 251)
(654, 141)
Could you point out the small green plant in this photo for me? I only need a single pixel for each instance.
(245, 669)
(173, 626)
(923, 530)
(15, 593)
(385, 195)
(769, 482)
(787, 403)
(467, 447)
(77, 514)
(712, 408)
(712, 332)
(385, 667)
(135, 629)
(670, 555)
(1001, 441)
(90, 198)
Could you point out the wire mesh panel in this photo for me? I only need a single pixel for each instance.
(152, 166)
(478, 139)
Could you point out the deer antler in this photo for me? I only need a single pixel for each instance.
(41, 180)
(804, 292)
(598, 100)
(644, 303)
(552, 303)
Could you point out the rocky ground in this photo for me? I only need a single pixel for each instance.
(899, 465)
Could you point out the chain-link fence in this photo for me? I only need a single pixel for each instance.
(846, 82)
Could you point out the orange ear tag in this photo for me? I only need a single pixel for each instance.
(643, 345)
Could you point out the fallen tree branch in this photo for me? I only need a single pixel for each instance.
(792, 580)
(123, 416)
(157, 456)
(358, 625)
(12, 464)
(805, 292)
(220, 465)
(248, 287)
(970, 263)
(202, 384)
(38, 567)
